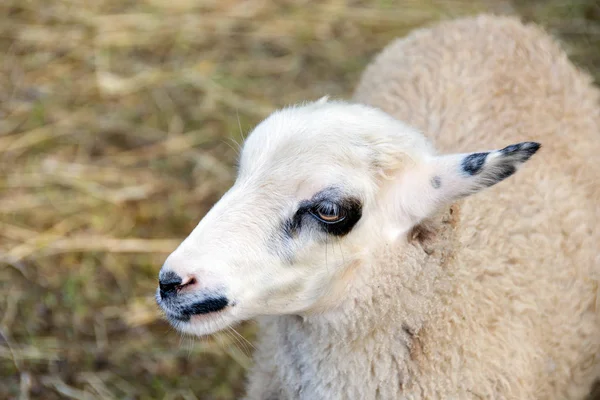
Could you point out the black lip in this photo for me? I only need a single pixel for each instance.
(206, 306)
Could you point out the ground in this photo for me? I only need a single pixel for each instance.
(119, 127)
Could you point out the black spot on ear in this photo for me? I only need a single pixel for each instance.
(523, 151)
(513, 148)
(503, 172)
(436, 182)
(472, 163)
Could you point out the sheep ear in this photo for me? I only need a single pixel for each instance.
(441, 180)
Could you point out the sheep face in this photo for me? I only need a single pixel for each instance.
(319, 187)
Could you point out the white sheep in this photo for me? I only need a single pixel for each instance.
(374, 269)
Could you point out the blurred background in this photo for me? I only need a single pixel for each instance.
(119, 127)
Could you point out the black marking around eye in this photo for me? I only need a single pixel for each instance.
(472, 163)
(292, 226)
(436, 182)
(351, 207)
(353, 211)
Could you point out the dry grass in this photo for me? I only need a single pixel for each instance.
(118, 129)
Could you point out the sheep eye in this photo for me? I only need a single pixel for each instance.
(328, 213)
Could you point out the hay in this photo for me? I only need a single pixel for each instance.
(119, 128)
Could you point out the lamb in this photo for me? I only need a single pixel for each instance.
(401, 245)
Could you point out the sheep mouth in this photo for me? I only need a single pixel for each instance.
(201, 318)
(178, 310)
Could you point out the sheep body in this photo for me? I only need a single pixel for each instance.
(498, 297)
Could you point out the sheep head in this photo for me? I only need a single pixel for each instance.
(319, 188)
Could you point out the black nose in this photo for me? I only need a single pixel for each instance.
(168, 282)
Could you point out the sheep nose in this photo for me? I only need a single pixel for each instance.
(168, 282)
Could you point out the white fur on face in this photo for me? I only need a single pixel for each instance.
(263, 249)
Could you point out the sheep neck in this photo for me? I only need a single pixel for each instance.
(398, 287)
(388, 304)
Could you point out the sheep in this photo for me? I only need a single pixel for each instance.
(396, 246)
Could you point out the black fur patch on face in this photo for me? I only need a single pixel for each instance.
(472, 163)
(349, 207)
(436, 182)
